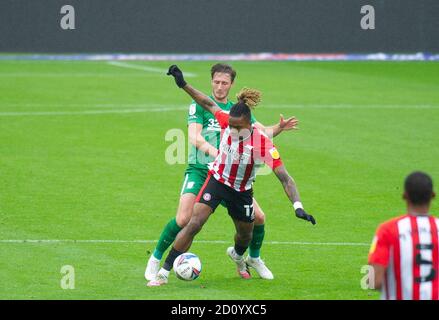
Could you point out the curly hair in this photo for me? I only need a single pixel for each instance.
(248, 99)
(251, 97)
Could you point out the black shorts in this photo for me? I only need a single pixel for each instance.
(239, 204)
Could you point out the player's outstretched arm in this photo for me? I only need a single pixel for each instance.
(207, 103)
(292, 193)
(283, 125)
(199, 97)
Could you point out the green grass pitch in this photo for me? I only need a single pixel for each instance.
(82, 158)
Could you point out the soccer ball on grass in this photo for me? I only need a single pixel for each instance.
(187, 266)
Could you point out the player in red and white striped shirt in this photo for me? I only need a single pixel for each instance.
(242, 149)
(405, 250)
(238, 159)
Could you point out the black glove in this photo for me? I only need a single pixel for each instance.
(178, 75)
(300, 213)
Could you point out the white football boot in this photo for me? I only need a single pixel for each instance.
(160, 279)
(152, 268)
(259, 265)
(240, 263)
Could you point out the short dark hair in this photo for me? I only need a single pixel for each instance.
(223, 68)
(419, 188)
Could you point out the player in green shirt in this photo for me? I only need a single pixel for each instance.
(204, 137)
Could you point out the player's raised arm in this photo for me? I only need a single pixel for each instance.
(207, 103)
(283, 125)
(292, 193)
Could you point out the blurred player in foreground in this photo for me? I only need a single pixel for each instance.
(242, 149)
(404, 252)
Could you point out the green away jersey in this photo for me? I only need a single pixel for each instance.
(211, 132)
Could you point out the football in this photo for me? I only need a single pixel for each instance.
(187, 266)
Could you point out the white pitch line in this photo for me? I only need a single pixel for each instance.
(145, 68)
(142, 108)
(89, 112)
(351, 106)
(267, 106)
(69, 75)
(91, 105)
(54, 241)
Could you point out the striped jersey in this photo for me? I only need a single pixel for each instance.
(238, 159)
(408, 248)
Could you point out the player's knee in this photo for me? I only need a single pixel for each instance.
(259, 214)
(184, 216)
(259, 218)
(182, 221)
(194, 226)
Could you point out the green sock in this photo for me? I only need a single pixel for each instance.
(258, 238)
(167, 237)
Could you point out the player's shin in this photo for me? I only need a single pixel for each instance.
(167, 237)
(243, 236)
(184, 239)
(173, 254)
(239, 249)
(182, 243)
(242, 242)
(257, 239)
